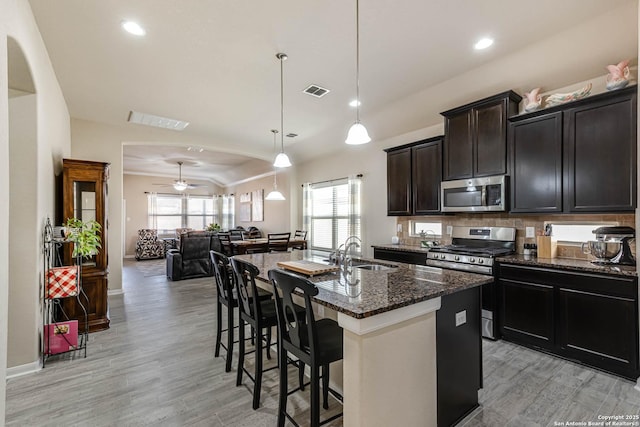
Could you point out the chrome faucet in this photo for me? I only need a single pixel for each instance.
(347, 258)
(336, 256)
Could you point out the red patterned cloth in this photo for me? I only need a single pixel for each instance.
(62, 282)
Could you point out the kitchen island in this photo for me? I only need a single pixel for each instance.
(389, 322)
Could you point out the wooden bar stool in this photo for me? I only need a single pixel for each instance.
(316, 343)
(261, 315)
(227, 296)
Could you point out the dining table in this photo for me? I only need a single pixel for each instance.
(239, 247)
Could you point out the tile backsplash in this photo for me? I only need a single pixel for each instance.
(520, 222)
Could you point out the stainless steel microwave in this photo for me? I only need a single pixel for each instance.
(486, 194)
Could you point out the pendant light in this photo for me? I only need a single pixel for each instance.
(275, 194)
(282, 160)
(357, 133)
(180, 184)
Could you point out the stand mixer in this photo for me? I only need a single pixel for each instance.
(612, 245)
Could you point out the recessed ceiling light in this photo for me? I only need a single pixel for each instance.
(483, 43)
(133, 28)
(354, 103)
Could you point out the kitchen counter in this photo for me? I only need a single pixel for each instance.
(403, 248)
(389, 370)
(364, 293)
(570, 264)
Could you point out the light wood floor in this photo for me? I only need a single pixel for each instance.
(155, 366)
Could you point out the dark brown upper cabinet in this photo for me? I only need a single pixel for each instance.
(475, 141)
(414, 173)
(536, 174)
(600, 147)
(577, 157)
(399, 182)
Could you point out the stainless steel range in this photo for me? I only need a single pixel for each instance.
(473, 249)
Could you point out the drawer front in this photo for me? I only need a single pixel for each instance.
(619, 286)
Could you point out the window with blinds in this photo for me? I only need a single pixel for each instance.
(167, 212)
(333, 211)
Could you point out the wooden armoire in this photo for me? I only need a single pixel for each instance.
(84, 194)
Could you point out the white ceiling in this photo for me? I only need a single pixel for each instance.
(212, 63)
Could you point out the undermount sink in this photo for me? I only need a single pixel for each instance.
(372, 267)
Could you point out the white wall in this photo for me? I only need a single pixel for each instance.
(135, 198)
(53, 142)
(371, 161)
(4, 207)
(24, 295)
(277, 218)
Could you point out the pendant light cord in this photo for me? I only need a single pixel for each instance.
(357, 61)
(275, 149)
(282, 58)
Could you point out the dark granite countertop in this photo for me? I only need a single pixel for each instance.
(402, 248)
(364, 293)
(570, 265)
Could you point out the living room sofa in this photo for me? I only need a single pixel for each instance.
(192, 259)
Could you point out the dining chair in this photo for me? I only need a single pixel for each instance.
(300, 235)
(278, 242)
(316, 343)
(237, 234)
(225, 243)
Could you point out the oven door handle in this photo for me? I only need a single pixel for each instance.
(483, 196)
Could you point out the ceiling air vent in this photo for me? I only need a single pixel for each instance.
(317, 91)
(156, 121)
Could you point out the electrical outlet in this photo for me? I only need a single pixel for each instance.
(449, 229)
(320, 311)
(530, 232)
(461, 318)
(399, 228)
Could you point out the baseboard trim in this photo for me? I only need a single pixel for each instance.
(112, 292)
(129, 256)
(18, 371)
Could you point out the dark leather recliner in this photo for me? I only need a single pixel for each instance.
(192, 259)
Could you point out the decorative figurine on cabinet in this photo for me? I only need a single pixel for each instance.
(618, 76)
(532, 100)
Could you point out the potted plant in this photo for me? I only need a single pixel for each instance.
(84, 235)
(213, 227)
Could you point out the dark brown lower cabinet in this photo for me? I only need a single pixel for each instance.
(419, 258)
(598, 329)
(585, 317)
(459, 355)
(527, 312)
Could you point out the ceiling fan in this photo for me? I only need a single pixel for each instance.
(180, 184)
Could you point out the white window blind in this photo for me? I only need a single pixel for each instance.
(332, 212)
(575, 232)
(166, 212)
